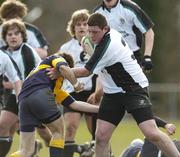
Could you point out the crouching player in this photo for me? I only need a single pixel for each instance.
(38, 101)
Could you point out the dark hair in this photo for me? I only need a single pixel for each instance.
(12, 9)
(177, 144)
(67, 57)
(11, 24)
(97, 19)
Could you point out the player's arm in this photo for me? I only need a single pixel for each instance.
(12, 75)
(42, 52)
(149, 42)
(81, 72)
(95, 97)
(170, 128)
(68, 74)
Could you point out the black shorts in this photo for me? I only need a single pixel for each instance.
(114, 106)
(38, 108)
(82, 96)
(11, 104)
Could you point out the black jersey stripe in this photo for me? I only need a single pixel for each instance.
(98, 53)
(41, 39)
(141, 15)
(28, 59)
(122, 78)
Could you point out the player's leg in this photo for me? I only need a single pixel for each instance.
(159, 138)
(110, 114)
(44, 133)
(7, 121)
(27, 142)
(72, 121)
(46, 111)
(56, 144)
(103, 134)
(146, 123)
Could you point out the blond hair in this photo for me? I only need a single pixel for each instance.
(78, 15)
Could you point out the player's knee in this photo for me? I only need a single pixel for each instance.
(71, 130)
(102, 137)
(4, 129)
(153, 136)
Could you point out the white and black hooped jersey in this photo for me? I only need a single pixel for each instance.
(128, 19)
(116, 65)
(26, 58)
(34, 37)
(7, 68)
(73, 48)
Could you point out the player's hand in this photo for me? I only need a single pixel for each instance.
(147, 64)
(170, 128)
(52, 73)
(78, 87)
(94, 99)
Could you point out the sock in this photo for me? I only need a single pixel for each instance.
(69, 149)
(56, 147)
(5, 145)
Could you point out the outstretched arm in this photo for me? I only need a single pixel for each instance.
(84, 107)
(81, 72)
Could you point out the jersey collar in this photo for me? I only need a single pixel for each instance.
(109, 9)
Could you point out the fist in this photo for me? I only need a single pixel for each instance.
(147, 63)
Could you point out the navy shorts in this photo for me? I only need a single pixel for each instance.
(114, 106)
(39, 107)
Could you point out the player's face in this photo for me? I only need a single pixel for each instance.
(81, 29)
(96, 34)
(14, 38)
(110, 3)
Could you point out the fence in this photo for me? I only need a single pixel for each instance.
(172, 91)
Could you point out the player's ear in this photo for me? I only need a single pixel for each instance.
(106, 28)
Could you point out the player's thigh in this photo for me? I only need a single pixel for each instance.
(112, 108)
(57, 127)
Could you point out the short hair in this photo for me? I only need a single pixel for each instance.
(78, 15)
(12, 9)
(11, 24)
(97, 19)
(177, 144)
(67, 57)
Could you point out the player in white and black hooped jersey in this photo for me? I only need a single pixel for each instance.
(133, 23)
(124, 85)
(116, 65)
(25, 58)
(35, 38)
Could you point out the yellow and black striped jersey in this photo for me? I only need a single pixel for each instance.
(38, 79)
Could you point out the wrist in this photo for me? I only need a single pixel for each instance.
(147, 56)
(76, 84)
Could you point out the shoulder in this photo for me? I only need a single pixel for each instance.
(131, 6)
(31, 27)
(98, 7)
(4, 57)
(68, 44)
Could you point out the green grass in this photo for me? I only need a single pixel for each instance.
(123, 135)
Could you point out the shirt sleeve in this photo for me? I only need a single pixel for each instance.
(99, 58)
(9, 70)
(140, 19)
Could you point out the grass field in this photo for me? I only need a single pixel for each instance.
(125, 133)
